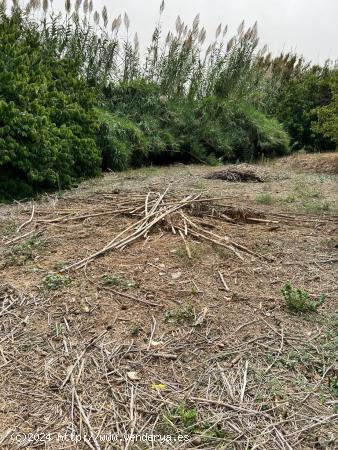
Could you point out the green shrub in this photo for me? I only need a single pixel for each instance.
(161, 131)
(327, 116)
(47, 121)
(297, 92)
(54, 281)
(180, 316)
(187, 417)
(111, 139)
(298, 300)
(235, 130)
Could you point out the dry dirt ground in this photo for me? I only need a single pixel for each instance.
(148, 348)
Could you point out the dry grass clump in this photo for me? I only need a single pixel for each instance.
(326, 163)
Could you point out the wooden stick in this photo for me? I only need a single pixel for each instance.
(186, 244)
(223, 281)
(244, 381)
(18, 238)
(142, 228)
(86, 420)
(27, 221)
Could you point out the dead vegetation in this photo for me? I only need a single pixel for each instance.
(238, 173)
(316, 163)
(173, 323)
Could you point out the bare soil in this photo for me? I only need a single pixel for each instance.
(147, 341)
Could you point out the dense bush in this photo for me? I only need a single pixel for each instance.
(297, 90)
(327, 116)
(47, 121)
(144, 127)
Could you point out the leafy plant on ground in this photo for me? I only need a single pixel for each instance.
(54, 281)
(180, 315)
(22, 252)
(8, 228)
(118, 281)
(135, 330)
(187, 416)
(186, 420)
(298, 300)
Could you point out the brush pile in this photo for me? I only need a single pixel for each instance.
(175, 215)
(237, 173)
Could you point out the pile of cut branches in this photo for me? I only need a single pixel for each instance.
(237, 173)
(175, 215)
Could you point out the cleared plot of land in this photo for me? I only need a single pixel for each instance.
(173, 334)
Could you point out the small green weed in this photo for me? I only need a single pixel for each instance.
(181, 315)
(265, 199)
(298, 300)
(186, 419)
(303, 191)
(8, 228)
(19, 254)
(135, 330)
(54, 281)
(59, 330)
(183, 416)
(117, 281)
(290, 199)
(59, 265)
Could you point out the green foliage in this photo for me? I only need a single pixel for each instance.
(114, 137)
(117, 281)
(54, 281)
(135, 330)
(180, 316)
(188, 417)
(265, 199)
(327, 115)
(47, 122)
(22, 252)
(186, 420)
(297, 93)
(162, 130)
(298, 300)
